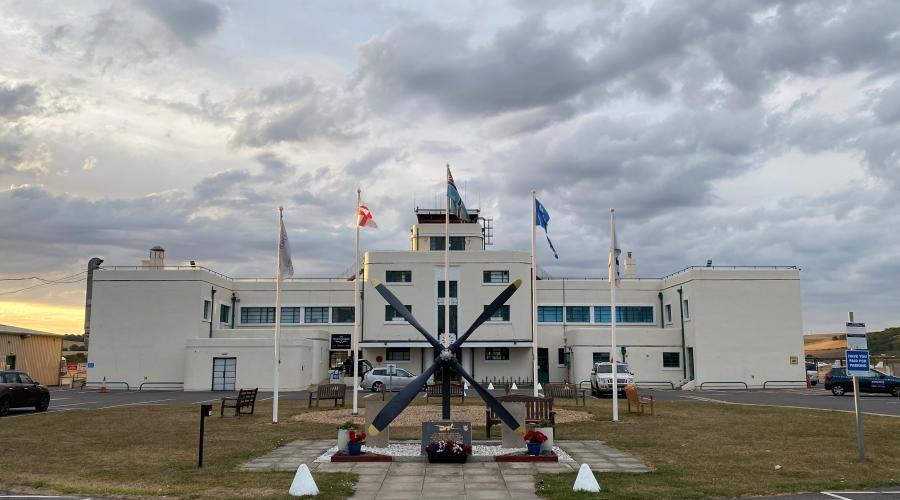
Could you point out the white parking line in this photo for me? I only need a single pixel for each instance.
(709, 400)
(73, 404)
(136, 403)
(834, 495)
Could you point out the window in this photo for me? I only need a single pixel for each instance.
(291, 315)
(440, 320)
(502, 314)
(550, 314)
(316, 315)
(207, 305)
(624, 314)
(380, 371)
(496, 277)
(496, 353)
(671, 360)
(397, 354)
(440, 289)
(668, 313)
(342, 314)
(601, 357)
(257, 315)
(398, 276)
(224, 313)
(456, 243)
(578, 314)
(687, 310)
(391, 315)
(25, 379)
(561, 356)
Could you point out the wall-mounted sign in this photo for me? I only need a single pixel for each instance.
(340, 341)
(795, 360)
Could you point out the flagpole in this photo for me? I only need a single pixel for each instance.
(277, 360)
(354, 344)
(534, 367)
(613, 269)
(445, 373)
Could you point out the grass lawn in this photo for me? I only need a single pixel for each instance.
(696, 450)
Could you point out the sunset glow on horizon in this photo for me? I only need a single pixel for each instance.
(43, 317)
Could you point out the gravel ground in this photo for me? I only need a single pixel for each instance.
(413, 416)
(413, 449)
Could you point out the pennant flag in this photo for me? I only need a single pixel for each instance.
(457, 205)
(365, 217)
(614, 251)
(285, 266)
(542, 218)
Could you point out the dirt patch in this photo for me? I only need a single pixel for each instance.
(413, 416)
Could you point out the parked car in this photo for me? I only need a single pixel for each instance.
(839, 383)
(17, 390)
(378, 379)
(601, 378)
(812, 372)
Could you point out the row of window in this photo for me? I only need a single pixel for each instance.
(297, 315)
(601, 314)
(502, 314)
(395, 276)
(669, 359)
(686, 309)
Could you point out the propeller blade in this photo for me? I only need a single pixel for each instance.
(399, 402)
(488, 312)
(490, 400)
(403, 311)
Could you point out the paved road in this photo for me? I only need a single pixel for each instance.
(816, 398)
(890, 493)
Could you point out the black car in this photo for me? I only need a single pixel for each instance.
(17, 390)
(838, 382)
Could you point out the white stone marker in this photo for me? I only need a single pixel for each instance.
(586, 480)
(491, 386)
(303, 483)
(514, 387)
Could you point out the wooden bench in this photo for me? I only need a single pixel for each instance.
(536, 409)
(565, 391)
(435, 391)
(328, 391)
(246, 398)
(639, 402)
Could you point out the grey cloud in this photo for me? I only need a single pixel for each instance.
(187, 20)
(887, 105)
(17, 99)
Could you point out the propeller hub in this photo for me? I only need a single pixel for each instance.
(446, 355)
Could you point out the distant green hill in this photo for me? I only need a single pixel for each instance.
(884, 342)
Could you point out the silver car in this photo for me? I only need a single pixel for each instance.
(379, 379)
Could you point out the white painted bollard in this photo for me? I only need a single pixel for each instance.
(303, 483)
(514, 387)
(465, 384)
(539, 387)
(586, 480)
(491, 386)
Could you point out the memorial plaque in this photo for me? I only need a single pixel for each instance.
(372, 409)
(446, 430)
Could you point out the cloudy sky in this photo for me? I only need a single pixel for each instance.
(749, 133)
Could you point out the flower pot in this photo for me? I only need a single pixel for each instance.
(354, 449)
(447, 458)
(546, 446)
(534, 449)
(343, 439)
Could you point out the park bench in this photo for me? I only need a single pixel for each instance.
(246, 398)
(328, 391)
(565, 391)
(435, 391)
(536, 409)
(639, 402)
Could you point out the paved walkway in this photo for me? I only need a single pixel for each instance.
(478, 480)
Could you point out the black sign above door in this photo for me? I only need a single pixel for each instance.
(340, 340)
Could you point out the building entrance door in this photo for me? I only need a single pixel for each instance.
(224, 374)
(543, 365)
(690, 366)
(11, 362)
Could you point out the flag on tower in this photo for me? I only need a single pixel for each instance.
(285, 266)
(542, 218)
(614, 251)
(459, 208)
(365, 217)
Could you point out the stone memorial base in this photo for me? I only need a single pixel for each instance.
(525, 457)
(433, 431)
(363, 457)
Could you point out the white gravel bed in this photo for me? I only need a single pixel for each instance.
(413, 449)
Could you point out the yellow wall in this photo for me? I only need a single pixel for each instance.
(38, 355)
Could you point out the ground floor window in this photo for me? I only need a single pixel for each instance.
(336, 359)
(397, 354)
(601, 357)
(496, 354)
(224, 374)
(671, 360)
(561, 357)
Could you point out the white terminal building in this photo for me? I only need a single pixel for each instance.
(157, 325)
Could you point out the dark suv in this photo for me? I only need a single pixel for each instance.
(17, 390)
(838, 382)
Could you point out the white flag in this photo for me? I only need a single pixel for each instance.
(285, 266)
(614, 251)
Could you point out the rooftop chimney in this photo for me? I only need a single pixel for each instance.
(630, 267)
(157, 258)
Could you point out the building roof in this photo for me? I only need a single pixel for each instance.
(15, 330)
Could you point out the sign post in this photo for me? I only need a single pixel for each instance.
(857, 361)
(205, 411)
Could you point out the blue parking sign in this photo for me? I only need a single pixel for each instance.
(857, 362)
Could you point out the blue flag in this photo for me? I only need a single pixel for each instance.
(457, 205)
(542, 218)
